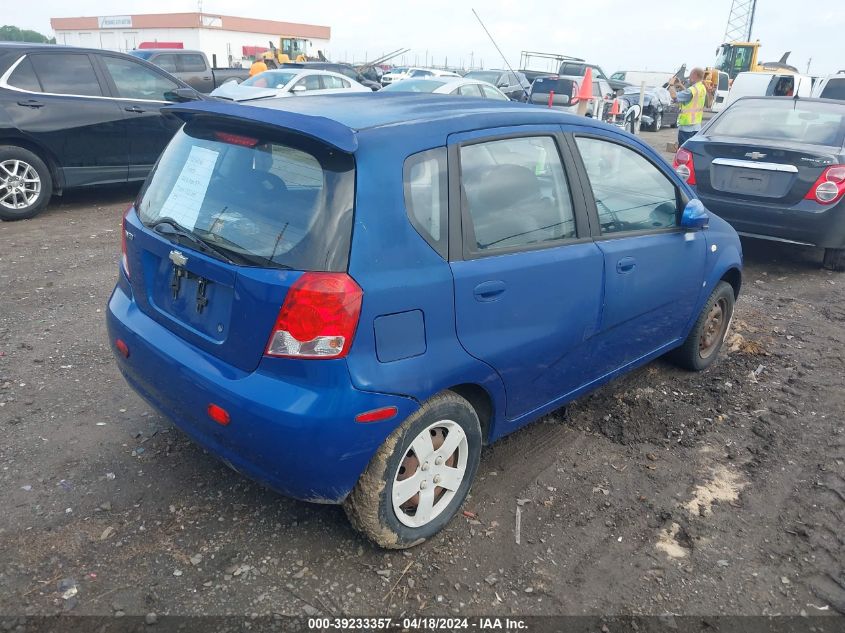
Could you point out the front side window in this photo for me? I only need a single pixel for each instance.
(426, 196)
(631, 194)
(134, 81)
(67, 74)
(516, 194)
(166, 62)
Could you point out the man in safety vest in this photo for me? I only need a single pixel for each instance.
(692, 101)
(258, 66)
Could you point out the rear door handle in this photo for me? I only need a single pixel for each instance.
(489, 290)
(135, 109)
(31, 103)
(626, 265)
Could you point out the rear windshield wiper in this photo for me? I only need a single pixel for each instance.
(170, 228)
(256, 260)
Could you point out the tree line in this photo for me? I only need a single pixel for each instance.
(9, 33)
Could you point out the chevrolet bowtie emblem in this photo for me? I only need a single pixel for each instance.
(178, 258)
(756, 155)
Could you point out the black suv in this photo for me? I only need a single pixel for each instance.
(71, 117)
(344, 69)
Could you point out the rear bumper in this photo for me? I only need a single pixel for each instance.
(292, 422)
(806, 222)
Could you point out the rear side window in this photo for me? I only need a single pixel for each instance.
(191, 63)
(67, 74)
(470, 90)
(166, 62)
(24, 77)
(330, 81)
(265, 200)
(515, 193)
(426, 196)
(835, 89)
(631, 194)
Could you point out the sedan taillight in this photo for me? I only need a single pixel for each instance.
(830, 186)
(684, 166)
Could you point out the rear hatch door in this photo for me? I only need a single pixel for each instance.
(231, 216)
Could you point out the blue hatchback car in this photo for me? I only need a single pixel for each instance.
(345, 297)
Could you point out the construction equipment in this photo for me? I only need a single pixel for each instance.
(291, 49)
(740, 57)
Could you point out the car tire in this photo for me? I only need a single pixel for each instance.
(658, 122)
(707, 335)
(24, 180)
(834, 259)
(394, 525)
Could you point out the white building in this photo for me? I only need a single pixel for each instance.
(230, 39)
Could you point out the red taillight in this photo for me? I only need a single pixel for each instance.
(376, 415)
(236, 139)
(318, 318)
(218, 414)
(684, 166)
(830, 186)
(124, 260)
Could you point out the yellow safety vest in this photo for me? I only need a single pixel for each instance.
(692, 112)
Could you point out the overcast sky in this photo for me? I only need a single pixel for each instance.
(617, 34)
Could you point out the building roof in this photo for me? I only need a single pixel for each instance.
(339, 119)
(197, 20)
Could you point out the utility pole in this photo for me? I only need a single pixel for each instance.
(740, 21)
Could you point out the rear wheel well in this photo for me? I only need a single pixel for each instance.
(734, 278)
(479, 400)
(42, 153)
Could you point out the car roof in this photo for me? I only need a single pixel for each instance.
(340, 119)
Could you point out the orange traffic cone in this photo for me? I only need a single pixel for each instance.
(585, 91)
(614, 109)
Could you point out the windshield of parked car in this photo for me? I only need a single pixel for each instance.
(263, 199)
(414, 85)
(270, 79)
(490, 76)
(783, 119)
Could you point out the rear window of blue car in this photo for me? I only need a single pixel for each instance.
(265, 199)
(780, 119)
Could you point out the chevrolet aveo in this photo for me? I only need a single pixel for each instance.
(345, 299)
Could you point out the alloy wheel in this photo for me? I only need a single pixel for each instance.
(430, 473)
(20, 184)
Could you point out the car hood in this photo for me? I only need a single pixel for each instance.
(238, 92)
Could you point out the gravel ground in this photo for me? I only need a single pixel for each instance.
(664, 492)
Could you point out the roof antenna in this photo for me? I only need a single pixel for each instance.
(505, 59)
(795, 96)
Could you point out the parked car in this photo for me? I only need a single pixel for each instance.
(561, 93)
(416, 73)
(397, 73)
(773, 84)
(720, 96)
(192, 67)
(449, 86)
(72, 117)
(831, 87)
(343, 69)
(774, 168)
(640, 77)
(514, 84)
(351, 333)
(287, 83)
(659, 109)
(576, 69)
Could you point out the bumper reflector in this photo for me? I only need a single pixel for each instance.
(377, 415)
(218, 414)
(122, 347)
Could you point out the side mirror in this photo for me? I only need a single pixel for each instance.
(299, 88)
(695, 215)
(181, 95)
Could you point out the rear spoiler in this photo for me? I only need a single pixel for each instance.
(319, 128)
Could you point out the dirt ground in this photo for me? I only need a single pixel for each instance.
(664, 492)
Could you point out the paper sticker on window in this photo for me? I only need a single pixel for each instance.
(185, 200)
